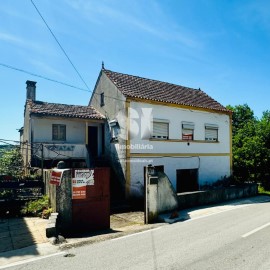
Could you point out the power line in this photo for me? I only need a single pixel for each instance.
(56, 81)
(43, 77)
(60, 45)
(33, 145)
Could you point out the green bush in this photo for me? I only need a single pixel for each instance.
(11, 163)
(262, 191)
(46, 213)
(7, 194)
(36, 208)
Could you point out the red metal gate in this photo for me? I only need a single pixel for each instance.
(91, 202)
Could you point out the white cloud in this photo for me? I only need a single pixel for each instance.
(149, 19)
(47, 68)
(21, 42)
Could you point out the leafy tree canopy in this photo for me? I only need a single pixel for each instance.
(11, 163)
(251, 145)
(242, 114)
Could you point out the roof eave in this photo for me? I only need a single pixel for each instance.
(167, 103)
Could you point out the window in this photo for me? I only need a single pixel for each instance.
(58, 132)
(102, 102)
(188, 131)
(160, 129)
(115, 130)
(211, 132)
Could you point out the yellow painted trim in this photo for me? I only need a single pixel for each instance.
(177, 105)
(231, 153)
(179, 154)
(127, 103)
(184, 141)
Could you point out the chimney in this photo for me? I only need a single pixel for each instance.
(31, 90)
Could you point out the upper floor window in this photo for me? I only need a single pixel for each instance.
(58, 132)
(211, 132)
(102, 101)
(160, 129)
(188, 131)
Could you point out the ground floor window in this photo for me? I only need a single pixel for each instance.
(187, 180)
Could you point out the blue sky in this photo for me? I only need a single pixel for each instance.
(220, 46)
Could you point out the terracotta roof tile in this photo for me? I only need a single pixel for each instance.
(63, 110)
(138, 87)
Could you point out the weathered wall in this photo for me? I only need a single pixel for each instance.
(211, 158)
(167, 198)
(42, 130)
(64, 200)
(114, 109)
(60, 198)
(192, 199)
(160, 196)
(26, 149)
(50, 190)
(210, 169)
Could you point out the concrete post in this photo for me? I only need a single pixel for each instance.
(151, 195)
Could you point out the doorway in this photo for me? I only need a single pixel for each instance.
(93, 141)
(187, 180)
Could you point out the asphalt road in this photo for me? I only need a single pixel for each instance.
(234, 239)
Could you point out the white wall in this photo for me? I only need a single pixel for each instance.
(75, 134)
(210, 169)
(176, 116)
(42, 130)
(212, 159)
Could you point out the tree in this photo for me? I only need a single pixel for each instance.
(251, 144)
(11, 163)
(242, 114)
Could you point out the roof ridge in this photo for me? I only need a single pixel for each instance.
(54, 103)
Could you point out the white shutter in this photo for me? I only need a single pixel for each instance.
(211, 134)
(160, 130)
(188, 126)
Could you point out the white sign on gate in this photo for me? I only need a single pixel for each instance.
(87, 176)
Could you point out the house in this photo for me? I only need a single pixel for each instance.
(180, 130)
(54, 132)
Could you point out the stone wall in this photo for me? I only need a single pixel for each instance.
(192, 199)
(60, 198)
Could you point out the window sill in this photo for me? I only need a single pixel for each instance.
(185, 141)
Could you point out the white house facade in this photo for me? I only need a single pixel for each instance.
(54, 132)
(190, 145)
(181, 131)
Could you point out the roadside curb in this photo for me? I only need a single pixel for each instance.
(104, 237)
